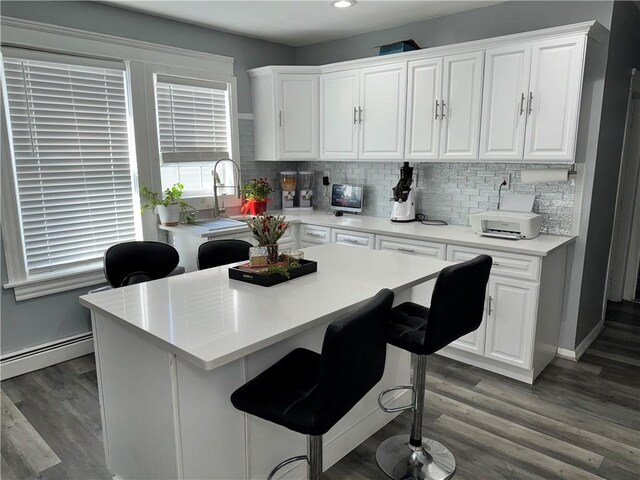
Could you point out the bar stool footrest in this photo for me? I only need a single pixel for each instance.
(397, 409)
(286, 462)
(401, 461)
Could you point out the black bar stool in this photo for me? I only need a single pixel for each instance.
(222, 252)
(128, 263)
(456, 309)
(309, 392)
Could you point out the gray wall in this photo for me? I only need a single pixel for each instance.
(101, 18)
(493, 21)
(624, 54)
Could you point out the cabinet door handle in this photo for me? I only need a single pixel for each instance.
(355, 115)
(280, 117)
(402, 249)
(436, 109)
(530, 103)
(442, 109)
(522, 103)
(359, 114)
(490, 302)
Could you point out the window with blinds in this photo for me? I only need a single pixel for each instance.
(69, 132)
(194, 131)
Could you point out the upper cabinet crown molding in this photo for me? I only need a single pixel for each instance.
(513, 98)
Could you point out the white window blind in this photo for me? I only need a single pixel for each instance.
(194, 131)
(70, 141)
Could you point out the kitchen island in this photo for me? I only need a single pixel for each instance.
(170, 352)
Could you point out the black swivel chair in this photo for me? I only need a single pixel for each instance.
(456, 309)
(309, 392)
(128, 263)
(222, 252)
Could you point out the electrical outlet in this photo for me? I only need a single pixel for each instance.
(506, 179)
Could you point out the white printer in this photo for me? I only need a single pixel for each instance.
(514, 219)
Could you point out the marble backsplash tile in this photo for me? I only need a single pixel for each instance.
(444, 191)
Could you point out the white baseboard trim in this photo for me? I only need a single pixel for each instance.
(586, 343)
(41, 356)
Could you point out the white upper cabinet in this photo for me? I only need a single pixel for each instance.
(508, 99)
(298, 116)
(504, 114)
(381, 116)
(339, 102)
(554, 99)
(424, 93)
(286, 115)
(460, 107)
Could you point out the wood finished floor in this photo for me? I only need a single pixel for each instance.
(579, 421)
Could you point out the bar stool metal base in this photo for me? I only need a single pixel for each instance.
(402, 461)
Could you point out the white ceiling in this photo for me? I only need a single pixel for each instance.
(301, 22)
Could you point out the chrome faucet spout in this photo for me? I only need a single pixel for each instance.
(216, 208)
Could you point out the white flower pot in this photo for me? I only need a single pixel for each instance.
(169, 216)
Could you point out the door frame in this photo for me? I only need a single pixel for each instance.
(624, 255)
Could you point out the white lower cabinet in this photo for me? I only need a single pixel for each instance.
(515, 331)
(511, 317)
(352, 239)
(422, 293)
(289, 241)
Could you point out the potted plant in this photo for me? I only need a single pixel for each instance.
(256, 192)
(168, 206)
(267, 230)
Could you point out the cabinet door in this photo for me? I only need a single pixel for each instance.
(339, 101)
(298, 116)
(383, 92)
(424, 94)
(554, 99)
(506, 85)
(462, 95)
(511, 315)
(473, 342)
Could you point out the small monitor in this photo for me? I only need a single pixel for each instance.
(346, 198)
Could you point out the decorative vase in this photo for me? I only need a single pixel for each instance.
(272, 253)
(260, 207)
(169, 216)
(254, 207)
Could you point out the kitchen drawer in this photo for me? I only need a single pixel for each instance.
(353, 239)
(412, 247)
(504, 264)
(315, 234)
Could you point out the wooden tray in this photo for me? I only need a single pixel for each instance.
(244, 273)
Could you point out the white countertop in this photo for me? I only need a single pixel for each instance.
(211, 320)
(541, 246)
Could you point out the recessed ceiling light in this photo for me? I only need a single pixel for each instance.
(344, 3)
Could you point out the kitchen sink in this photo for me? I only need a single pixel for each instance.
(219, 224)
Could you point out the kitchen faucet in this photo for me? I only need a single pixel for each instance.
(216, 208)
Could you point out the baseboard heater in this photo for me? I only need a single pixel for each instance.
(40, 356)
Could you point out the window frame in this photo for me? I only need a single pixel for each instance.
(199, 199)
(140, 57)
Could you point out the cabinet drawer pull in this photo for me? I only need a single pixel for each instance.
(497, 264)
(442, 109)
(402, 249)
(314, 234)
(359, 114)
(355, 115)
(353, 240)
(522, 103)
(436, 109)
(530, 103)
(490, 302)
